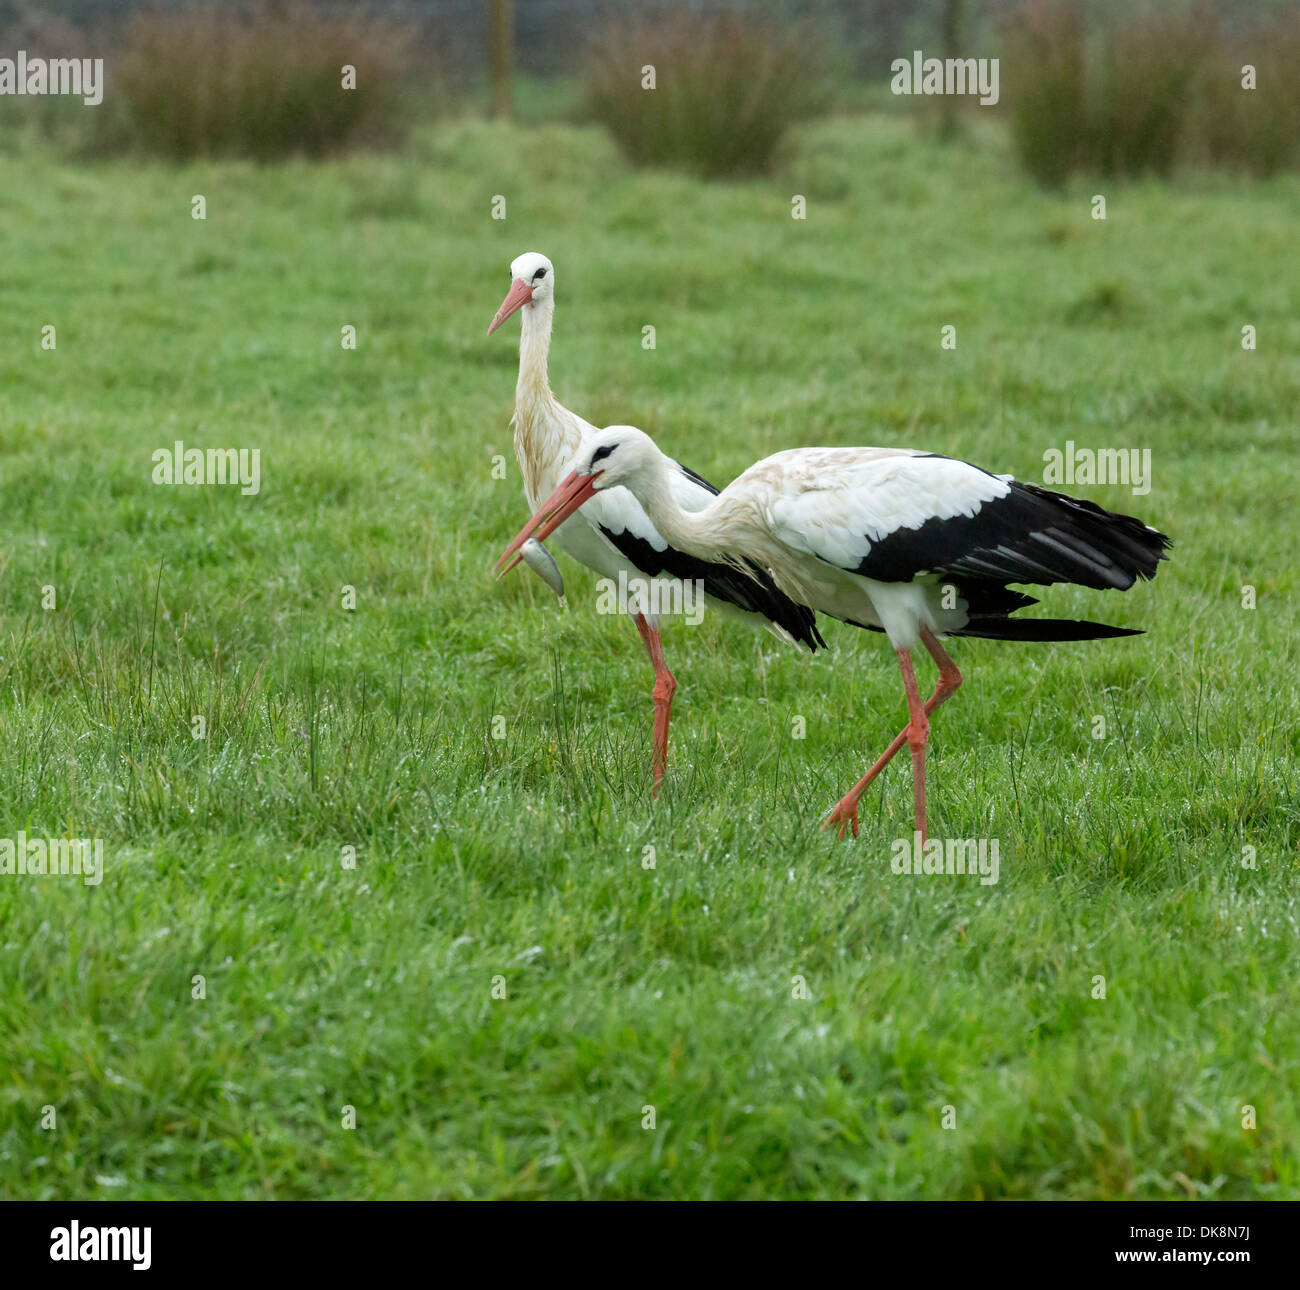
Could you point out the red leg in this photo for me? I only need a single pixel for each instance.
(918, 735)
(665, 687)
(845, 813)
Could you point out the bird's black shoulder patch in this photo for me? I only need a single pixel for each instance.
(751, 589)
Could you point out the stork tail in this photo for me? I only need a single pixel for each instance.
(1041, 629)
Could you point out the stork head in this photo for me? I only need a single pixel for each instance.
(532, 280)
(617, 455)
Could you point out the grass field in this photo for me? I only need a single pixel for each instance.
(522, 857)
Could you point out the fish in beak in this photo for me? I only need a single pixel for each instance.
(520, 294)
(542, 563)
(574, 489)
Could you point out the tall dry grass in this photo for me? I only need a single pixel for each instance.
(1147, 74)
(1130, 92)
(726, 88)
(264, 83)
(1045, 83)
(1255, 130)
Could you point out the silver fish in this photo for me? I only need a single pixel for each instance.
(542, 563)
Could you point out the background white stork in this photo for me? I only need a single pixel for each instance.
(912, 544)
(613, 536)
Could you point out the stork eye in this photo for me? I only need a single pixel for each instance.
(602, 452)
(541, 273)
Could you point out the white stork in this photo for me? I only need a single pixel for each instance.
(913, 544)
(613, 535)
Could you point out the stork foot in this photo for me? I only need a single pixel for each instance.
(845, 815)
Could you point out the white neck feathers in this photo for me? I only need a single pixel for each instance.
(714, 533)
(545, 433)
(534, 347)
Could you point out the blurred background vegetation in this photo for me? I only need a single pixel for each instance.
(1086, 86)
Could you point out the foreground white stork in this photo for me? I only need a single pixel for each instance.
(912, 544)
(613, 535)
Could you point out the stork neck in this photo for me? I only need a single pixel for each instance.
(702, 533)
(534, 346)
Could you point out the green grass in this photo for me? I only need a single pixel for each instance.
(521, 857)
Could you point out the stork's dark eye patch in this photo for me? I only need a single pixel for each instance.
(541, 273)
(602, 452)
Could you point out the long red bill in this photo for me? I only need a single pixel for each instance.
(520, 294)
(574, 489)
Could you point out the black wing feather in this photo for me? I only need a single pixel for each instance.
(1032, 535)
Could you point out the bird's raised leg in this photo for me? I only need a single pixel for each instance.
(845, 813)
(665, 687)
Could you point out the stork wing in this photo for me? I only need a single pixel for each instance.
(894, 516)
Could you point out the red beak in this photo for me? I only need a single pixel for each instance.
(520, 294)
(574, 489)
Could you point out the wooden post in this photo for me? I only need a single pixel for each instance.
(503, 49)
